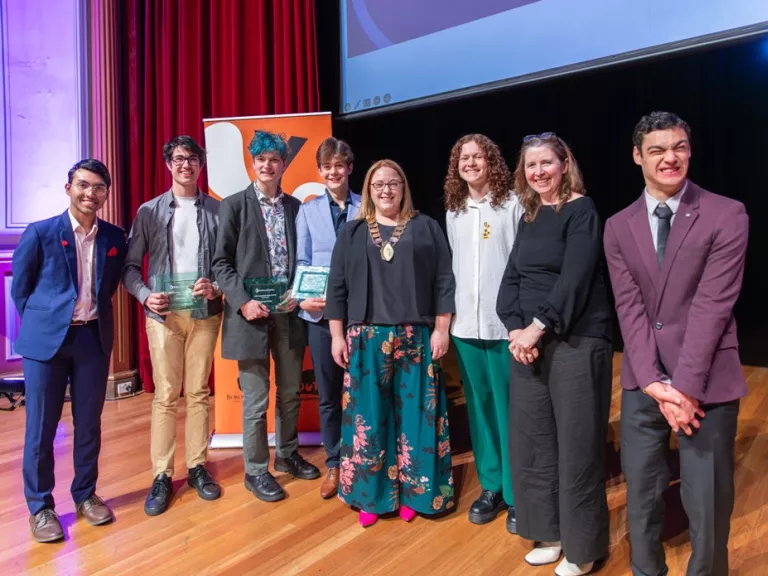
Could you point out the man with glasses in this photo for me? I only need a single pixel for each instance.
(65, 271)
(178, 230)
(257, 246)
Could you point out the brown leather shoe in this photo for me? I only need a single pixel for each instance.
(45, 526)
(95, 511)
(330, 485)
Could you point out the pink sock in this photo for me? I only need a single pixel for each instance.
(407, 514)
(367, 518)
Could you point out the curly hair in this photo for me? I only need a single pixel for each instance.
(499, 177)
(657, 121)
(572, 183)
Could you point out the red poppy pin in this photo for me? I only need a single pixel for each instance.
(112, 251)
(64, 243)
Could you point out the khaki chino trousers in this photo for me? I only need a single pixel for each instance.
(181, 349)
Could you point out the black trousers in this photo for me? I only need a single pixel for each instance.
(330, 380)
(558, 427)
(706, 483)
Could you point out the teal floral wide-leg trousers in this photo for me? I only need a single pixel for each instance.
(395, 446)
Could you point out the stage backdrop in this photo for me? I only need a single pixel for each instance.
(230, 169)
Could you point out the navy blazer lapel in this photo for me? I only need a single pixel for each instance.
(67, 237)
(641, 231)
(102, 246)
(687, 213)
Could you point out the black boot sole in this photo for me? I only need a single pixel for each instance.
(264, 497)
(287, 469)
(486, 517)
(203, 495)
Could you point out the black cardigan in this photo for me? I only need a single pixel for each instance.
(434, 289)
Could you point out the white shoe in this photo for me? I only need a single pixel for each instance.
(544, 553)
(566, 568)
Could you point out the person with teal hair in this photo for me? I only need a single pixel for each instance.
(265, 142)
(257, 243)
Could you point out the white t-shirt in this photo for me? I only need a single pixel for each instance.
(481, 238)
(185, 244)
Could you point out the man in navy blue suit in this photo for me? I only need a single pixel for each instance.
(65, 271)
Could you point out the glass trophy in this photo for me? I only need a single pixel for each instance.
(178, 287)
(310, 282)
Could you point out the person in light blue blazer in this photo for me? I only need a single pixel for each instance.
(317, 225)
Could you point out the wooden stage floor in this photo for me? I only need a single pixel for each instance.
(305, 535)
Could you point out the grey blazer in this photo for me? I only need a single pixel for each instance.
(242, 252)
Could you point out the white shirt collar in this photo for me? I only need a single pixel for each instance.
(472, 203)
(76, 224)
(651, 203)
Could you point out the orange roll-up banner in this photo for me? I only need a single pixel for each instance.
(230, 169)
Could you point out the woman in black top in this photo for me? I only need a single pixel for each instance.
(391, 282)
(553, 301)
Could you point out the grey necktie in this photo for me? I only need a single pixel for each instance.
(664, 214)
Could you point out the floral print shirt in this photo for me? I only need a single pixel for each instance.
(273, 212)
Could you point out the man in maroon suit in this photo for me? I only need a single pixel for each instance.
(676, 260)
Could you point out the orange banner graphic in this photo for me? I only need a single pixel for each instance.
(230, 169)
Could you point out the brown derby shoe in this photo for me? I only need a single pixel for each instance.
(95, 511)
(45, 526)
(330, 485)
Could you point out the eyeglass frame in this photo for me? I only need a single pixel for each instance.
(179, 161)
(98, 189)
(542, 136)
(393, 185)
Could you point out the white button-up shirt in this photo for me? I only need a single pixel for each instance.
(651, 203)
(86, 306)
(481, 238)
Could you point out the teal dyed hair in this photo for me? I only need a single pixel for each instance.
(268, 142)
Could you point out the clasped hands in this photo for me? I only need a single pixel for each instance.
(680, 409)
(522, 344)
(157, 302)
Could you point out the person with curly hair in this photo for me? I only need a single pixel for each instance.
(391, 284)
(554, 303)
(482, 220)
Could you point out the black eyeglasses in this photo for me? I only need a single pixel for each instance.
(179, 160)
(542, 136)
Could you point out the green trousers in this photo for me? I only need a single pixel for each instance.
(484, 366)
(395, 446)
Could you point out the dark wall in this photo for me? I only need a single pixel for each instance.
(722, 93)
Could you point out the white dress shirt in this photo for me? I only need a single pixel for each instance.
(86, 307)
(651, 203)
(481, 238)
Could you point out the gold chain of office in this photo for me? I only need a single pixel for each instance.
(387, 249)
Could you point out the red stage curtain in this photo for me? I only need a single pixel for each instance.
(185, 60)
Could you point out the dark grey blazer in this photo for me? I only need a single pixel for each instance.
(242, 252)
